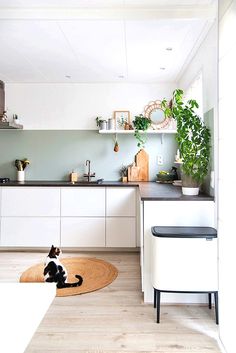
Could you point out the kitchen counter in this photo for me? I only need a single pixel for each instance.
(152, 191)
(149, 191)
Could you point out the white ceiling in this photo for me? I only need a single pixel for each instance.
(99, 3)
(97, 49)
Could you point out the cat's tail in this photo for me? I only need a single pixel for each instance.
(75, 284)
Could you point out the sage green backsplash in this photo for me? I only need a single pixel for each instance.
(53, 154)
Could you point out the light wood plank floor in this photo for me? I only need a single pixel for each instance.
(114, 319)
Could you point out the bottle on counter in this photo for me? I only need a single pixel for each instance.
(73, 176)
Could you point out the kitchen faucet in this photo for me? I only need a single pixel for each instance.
(89, 175)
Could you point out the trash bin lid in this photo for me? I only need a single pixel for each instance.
(184, 232)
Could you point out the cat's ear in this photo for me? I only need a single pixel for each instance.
(51, 251)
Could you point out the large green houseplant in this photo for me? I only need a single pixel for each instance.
(193, 139)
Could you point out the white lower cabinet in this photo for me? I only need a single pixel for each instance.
(68, 217)
(121, 232)
(83, 202)
(121, 201)
(30, 231)
(82, 232)
(30, 202)
(121, 217)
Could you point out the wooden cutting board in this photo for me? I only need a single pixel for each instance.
(142, 162)
(133, 173)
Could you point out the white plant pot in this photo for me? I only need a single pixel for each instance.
(20, 175)
(190, 191)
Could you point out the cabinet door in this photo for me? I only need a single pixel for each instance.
(83, 231)
(83, 201)
(30, 201)
(30, 231)
(121, 201)
(120, 232)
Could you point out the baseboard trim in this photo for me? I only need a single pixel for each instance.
(69, 249)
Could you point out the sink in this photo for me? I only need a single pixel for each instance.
(85, 182)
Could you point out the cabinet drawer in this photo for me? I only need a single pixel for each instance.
(121, 201)
(84, 201)
(27, 201)
(80, 231)
(121, 232)
(30, 231)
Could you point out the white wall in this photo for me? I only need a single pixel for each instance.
(75, 106)
(227, 193)
(205, 60)
(223, 6)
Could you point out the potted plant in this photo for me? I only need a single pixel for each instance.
(141, 123)
(124, 173)
(193, 139)
(101, 123)
(116, 146)
(20, 166)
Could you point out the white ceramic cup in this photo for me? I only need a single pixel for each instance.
(20, 175)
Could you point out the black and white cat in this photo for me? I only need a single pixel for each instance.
(54, 271)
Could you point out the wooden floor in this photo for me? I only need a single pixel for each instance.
(114, 319)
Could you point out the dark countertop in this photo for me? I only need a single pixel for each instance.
(152, 191)
(149, 191)
(64, 183)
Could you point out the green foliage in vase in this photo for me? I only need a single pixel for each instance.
(193, 136)
(123, 171)
(141, 123)
(21, 164)
(99, 120)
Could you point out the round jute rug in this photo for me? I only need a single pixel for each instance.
(96, 274)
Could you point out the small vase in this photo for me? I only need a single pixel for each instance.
(111, 124)
(20, 175)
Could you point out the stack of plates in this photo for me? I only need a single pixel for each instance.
(177, 182)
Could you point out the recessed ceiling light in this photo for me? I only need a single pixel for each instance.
(169, 49)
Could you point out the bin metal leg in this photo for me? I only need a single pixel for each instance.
(216, 307)
(155, 298)
(209, 300)
(158, 300)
